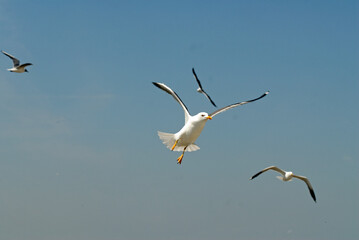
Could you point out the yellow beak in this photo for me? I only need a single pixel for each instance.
(209, 117)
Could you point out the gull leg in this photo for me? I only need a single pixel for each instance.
(174, 145)
(179, 160)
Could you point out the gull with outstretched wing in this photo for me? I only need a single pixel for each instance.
(287, 176)
(17, 67)
(184, 140)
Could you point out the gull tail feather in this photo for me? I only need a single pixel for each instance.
(169, 140)
(191, 148)
(280, 178)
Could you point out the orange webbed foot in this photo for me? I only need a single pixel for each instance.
(179, 160)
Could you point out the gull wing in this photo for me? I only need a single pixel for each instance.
(25, 64)
(175, 96)
(195, 76)
(308, 184)
(209, 98)
(266, 169)
(200, 86)
(236, 105)
(15, 60)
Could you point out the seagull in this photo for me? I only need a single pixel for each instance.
(287, 176)
(184, 140)
(200, 89)
(17, 67)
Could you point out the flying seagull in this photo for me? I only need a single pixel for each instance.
(287, 176)
(184, 140)
(200, 89)
(17, 67)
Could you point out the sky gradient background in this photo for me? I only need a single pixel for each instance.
(79, 153)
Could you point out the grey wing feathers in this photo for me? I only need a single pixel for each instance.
(14, 59)
(276, 169)
(175, 96)
(237, 104)
(26, 64)
(266, 169)
(308, 185)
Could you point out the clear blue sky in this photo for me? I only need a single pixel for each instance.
(80, 158)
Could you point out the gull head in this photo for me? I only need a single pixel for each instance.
(202, 116)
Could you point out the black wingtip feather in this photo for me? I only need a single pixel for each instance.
(255, 175)
(159, 86)
(313, 195)
(195, 75)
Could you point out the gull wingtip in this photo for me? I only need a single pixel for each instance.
(157, 84)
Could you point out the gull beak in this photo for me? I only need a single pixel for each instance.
(209, 117)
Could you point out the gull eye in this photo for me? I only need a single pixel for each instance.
(202, 115)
